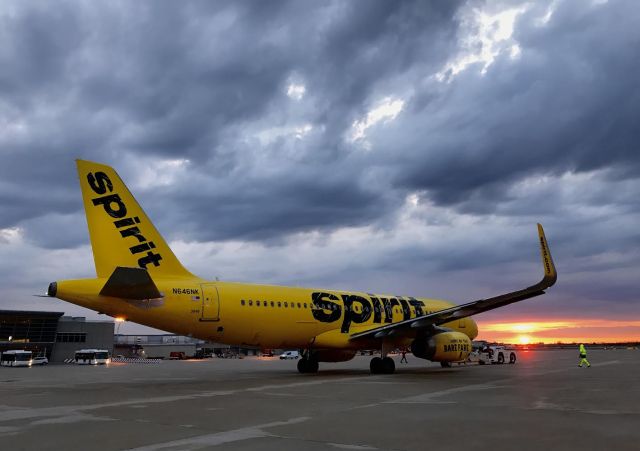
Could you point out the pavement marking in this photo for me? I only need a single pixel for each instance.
(567, 368)
(610, 362)
(343, 446)
(76, 413)
(219, 438)
(364, 406)
(11, 413)
(543, 404)
(6, 431)
(271, 393)
(76, 418)
(427, 398)
(374, 382)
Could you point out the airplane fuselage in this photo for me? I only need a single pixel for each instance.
(261, 315)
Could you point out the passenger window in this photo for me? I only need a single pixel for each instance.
(242, 302)
(299, 305)
(305, 305)
(250, 302)
(279, 304)
(272, 304)
(258, 303)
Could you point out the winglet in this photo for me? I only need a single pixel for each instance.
(550, 274)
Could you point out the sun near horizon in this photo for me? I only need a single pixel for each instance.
(553, 331)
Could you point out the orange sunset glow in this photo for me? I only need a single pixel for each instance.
(554, 331)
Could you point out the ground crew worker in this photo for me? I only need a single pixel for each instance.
(583, 357)
(404, 356)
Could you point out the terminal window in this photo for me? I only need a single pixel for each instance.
(70, 337)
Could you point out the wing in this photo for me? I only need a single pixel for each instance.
(433, 320)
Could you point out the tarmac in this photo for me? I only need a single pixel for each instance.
(544, 401)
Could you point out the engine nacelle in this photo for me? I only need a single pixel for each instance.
(443, 347)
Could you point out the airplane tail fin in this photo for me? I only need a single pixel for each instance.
(121, 233)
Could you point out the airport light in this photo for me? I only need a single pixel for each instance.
(119, 320)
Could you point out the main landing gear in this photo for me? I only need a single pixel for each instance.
(308, 364)
(382, 365)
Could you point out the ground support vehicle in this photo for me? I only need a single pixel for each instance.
(177, 355)
(289, 355)
(16, 358)
(41, 360)
(493, 355)
(488, 355)
(92, 357)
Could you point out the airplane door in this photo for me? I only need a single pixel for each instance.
(210, 302)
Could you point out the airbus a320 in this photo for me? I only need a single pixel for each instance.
(139, 278)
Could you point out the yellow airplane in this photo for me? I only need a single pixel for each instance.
(141, 280)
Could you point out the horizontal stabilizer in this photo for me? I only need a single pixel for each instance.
(130, 283)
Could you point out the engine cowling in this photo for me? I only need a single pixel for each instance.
(443, 347)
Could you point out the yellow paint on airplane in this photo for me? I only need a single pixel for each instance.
(140, 279)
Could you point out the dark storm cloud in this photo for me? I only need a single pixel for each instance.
(169, 80)
(569, 103)
(137, 84)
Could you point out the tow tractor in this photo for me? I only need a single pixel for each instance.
(487, 355)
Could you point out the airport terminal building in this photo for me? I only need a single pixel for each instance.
(52, 334)
(58, 337)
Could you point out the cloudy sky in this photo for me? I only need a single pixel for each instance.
(396, 147)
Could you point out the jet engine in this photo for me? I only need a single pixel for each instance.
(443, 347)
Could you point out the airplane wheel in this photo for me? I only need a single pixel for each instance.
(512, 358)
(501, 358)
(376, 365)
(445, 364)
(308, 366)
(388, 365)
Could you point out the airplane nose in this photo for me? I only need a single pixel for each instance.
(53, 289)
